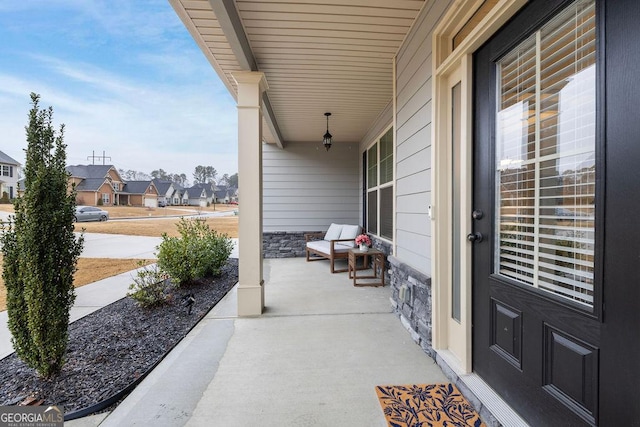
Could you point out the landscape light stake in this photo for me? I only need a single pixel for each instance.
(188, 301)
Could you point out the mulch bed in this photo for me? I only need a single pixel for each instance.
(112, 347)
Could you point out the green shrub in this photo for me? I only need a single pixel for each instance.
(149, 287)
(198, 252)
(5, 198)
(100, 202)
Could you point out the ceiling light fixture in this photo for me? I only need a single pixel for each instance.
(326, 141)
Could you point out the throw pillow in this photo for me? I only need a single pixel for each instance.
(333, 233)
(349, 232)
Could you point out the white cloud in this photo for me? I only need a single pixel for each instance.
(163, 107)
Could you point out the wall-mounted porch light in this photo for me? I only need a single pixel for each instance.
(326, 141)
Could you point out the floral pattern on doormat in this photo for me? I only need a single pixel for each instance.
(426, 405)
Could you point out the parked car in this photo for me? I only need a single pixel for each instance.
(233, 202)
(90, 213)
(162, 204)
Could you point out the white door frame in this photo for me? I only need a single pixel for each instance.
(453, 340)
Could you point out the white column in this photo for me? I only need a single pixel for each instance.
(251, 84)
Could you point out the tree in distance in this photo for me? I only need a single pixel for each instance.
(204, 174)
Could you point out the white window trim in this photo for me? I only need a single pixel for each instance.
(379, 186)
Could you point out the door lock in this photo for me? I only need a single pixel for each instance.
(474, 237)
(477, 214)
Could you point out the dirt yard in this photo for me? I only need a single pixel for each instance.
(156, 220)
(156, 227)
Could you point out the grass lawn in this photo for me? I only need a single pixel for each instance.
(155, 227)
(89, 271)
(156, 220)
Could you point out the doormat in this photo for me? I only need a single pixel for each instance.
(425, 405)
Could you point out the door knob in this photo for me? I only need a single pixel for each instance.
(474, 237)
(477, 214)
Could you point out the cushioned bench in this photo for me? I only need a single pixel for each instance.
(332, 245)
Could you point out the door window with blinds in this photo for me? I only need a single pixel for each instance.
(545, 157)
(380, 187)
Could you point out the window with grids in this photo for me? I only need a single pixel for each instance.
(545, 157)
(379, 175)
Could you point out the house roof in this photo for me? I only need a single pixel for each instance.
(8, 160)
(221, 194)
(317, 57)
(90, 184)
(90, 171)
(137, 187)
(162, 186)
(208, 188)
(195, 191)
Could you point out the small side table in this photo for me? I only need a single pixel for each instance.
(377, 265)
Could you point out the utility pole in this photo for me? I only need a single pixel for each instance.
(93, 157)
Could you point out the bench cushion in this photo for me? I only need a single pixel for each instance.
(324, 247)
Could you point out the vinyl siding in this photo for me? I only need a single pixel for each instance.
(306, 188)
(413, 140)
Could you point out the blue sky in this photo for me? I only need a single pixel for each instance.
(124, 76)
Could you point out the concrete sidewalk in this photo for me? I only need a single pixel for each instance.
(313, 359)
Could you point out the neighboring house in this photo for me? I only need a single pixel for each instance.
(184, 196)
(9, 169)
(166, 191)
(233, 193)
(176, 198)
(141, 193)
(208, 192)
(196, 196)
(225, 194)
(222, 196)
(97, 182)
(459, 128)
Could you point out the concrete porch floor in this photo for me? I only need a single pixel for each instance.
(313, 359)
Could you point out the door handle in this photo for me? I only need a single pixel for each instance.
(475, 237)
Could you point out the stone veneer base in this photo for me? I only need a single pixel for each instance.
(284, 244)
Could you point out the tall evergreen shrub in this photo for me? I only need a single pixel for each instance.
(40, 251)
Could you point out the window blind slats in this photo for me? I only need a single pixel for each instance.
(545, 157)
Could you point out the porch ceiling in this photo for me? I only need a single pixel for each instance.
(334, 55)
